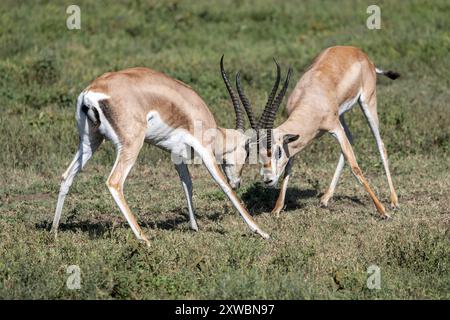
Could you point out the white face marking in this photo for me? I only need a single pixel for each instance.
(277, 164)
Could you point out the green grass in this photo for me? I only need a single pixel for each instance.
(314, 252)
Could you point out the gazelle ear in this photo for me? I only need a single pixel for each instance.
(288, 138)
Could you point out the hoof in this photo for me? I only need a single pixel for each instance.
(146, 241)
(276, 212)
(323, 204)
(54, 232)
(277, 209)
(263, 234)
(386, 217)
(324, 201)
(394, 201)
(394, 206)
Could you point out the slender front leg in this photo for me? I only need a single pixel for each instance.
(331, 189)
(209, 161)
(347, 150)
(186, 183)
(282, 195)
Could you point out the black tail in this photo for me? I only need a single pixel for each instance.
(390, 74)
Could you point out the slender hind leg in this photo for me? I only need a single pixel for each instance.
(369, 108)
(282, 195)
(88, 145)
(347, 150)
(126, 157)
(330, 192)
(186, 183)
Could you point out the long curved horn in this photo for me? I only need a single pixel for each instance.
(272, 112)
(262, 123)
(246, 102)
(234, 99)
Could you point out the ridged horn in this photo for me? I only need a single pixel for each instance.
(262, 123)
(272, 112)
(245, 102)
(234, 98)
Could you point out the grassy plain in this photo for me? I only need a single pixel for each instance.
(314, 252)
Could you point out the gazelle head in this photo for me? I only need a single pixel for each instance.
(274, 158)
(273, 151)
(234, 154)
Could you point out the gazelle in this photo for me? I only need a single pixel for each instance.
(138, 105)
(338, 78)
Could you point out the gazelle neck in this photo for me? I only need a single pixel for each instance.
(299, 123)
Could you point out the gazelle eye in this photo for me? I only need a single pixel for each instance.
(278, 154)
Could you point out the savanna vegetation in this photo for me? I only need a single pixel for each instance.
(314, 252)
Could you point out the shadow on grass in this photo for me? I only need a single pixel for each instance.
(259, 199)
(94, 229)
(170, 223)
(352, 199)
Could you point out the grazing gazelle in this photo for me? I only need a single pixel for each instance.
(138, 105)
(338, 78)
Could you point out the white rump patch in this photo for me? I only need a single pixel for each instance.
(91, 99)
